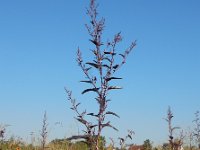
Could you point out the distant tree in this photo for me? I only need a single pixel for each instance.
(99, 74)
(147, 145)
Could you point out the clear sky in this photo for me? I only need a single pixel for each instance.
(38, 43)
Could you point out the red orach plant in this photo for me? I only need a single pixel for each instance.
(106, 66)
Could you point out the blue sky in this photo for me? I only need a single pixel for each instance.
(38, 43)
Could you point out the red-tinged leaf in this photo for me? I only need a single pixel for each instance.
(111, 78)
(90, 90)
(93, 64)
(114, 88)
(86, 81)
(112, 113)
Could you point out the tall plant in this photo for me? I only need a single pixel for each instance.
(105, 65)
(196, 132)
(171, 129)
(44, 132)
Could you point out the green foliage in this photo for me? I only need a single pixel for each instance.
(147, 145)
(80, 145)
(102, 143)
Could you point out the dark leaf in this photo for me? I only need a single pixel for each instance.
(92, 114)
(90, 90)
(95, 61)
(108, 100)
(111, 78)
(92, 126)
(97, 99)
(95, 42)
(121, 140)
(111, 53)
(78, 104)
(114, 128)
(109, 125)
(112, 113)
(84, 131)
(93, 64)
(92, 22)
(82, 121)
(129, 136)
(122, 55)
(105, 66)
(108, 59)
(94, 79)
(86, 81)
(105, 124)
(87, 69)
(115, 66)
(114, 88)
(95, 52)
